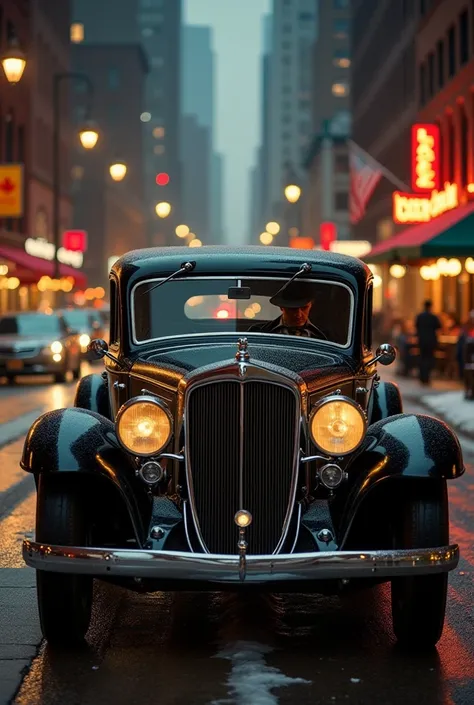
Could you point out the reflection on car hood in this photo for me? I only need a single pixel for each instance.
(313, 367)
(25, 342)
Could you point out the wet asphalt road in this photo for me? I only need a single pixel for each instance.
(214, 649)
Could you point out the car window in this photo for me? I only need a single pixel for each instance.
(229, 305)
(30, 324)
(77, 319)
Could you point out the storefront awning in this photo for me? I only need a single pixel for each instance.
(30, 269)
(449, 235)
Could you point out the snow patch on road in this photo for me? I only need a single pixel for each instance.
(452, 406)
(251, 680)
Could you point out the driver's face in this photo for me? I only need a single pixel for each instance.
(296, 317)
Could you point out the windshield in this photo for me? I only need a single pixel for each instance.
(30, 325)
(316, 309)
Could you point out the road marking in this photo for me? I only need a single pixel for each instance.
(251, 679)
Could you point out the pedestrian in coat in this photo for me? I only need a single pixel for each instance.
(427, 326)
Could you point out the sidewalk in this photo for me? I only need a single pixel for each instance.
(444, 398)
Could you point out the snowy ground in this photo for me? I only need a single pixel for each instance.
(453, 408)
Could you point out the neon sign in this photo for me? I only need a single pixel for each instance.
(409, 208)
(425, 157)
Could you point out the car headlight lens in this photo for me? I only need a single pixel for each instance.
(337, 426)
(56, 347)
(144, 426)
(84, 340)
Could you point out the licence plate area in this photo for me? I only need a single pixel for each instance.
(14, 365)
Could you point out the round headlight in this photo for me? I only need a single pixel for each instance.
(337, 426)
(144, 426)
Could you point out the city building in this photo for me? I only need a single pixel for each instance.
(160, 30)
(113, 213)
(432, 256)
(26, 138)
(94, 23)
(218, 236)
(383, 91)
(293, 30)
(196, 179)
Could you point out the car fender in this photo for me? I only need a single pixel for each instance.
(92, 393)
(405, 446)
(80, 441)
(385, 401)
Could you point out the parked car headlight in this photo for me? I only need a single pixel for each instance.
(56, 347)
(84, 340)
(144, 426)
(337, 425)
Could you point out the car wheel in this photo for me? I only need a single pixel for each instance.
(419, 603)
(64, 601)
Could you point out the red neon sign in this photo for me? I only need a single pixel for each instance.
(75, 240)
(425, 157)
(327, 234)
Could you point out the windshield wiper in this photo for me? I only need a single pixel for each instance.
(304, 269)
(185, 267)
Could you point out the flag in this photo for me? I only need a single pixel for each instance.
(365, 174)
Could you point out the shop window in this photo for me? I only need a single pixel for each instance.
(341, 58)
(463, 37)
(440, 61)
(340, 90)
(341, 29)
(431, 77)
(77, 33)
(451, 51)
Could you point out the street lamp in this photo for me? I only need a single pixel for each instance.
(118, 170)
(88, 136)
(266, 238)
(13, 62)
(292, 193)
(163, 209)
(182, 231)
(272, 228)
(195, 242)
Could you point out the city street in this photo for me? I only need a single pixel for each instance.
(209, 649)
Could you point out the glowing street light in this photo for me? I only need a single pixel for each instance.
(195, 242)
(266, 238)
(292, 193)
(272, 228)
(13, 62)
(118, 170)
(89, 135)
(163, 209)
(182, 231)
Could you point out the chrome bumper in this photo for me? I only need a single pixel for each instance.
(176, 565)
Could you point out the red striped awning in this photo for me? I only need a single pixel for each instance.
(29, 269)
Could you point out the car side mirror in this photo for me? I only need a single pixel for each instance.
(98, 348)
(385, 354)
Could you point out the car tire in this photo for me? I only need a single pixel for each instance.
(419, 603)
(64, 601)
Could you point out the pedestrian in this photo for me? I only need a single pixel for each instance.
(427, 326)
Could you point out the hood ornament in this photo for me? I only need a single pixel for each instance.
(242, 355)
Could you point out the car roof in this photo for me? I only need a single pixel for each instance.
(237, 261)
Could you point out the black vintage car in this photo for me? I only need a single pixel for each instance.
(240, 438)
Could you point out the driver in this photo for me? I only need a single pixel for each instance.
(295, 304)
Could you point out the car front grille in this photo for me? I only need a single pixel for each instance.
(267, 445)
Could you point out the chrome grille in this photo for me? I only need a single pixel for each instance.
(264, 486)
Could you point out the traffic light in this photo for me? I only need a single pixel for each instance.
(162, 179)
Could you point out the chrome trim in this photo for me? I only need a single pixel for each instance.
(186, 528)
(178, 565)
(337, 398)
(239, 281)
(297, 532)
(171, 456)
(149, 400)
(230, 373)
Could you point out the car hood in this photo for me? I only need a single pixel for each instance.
(317, 368)
(24, 342)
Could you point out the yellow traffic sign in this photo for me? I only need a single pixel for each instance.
(11, 190)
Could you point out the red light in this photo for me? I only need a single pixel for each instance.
(425, 157)
(327, 234)
(162, 179)
(75, 240)
(302, 243)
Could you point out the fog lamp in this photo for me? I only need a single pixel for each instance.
(331, 476)
(151, 472)
(243, 518)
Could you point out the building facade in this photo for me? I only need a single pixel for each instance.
(26, 137)
(383, 90)
(289, 126)
(326, 187)
(160, 30)
(112, 213)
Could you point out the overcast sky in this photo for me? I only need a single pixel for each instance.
(237, 29)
